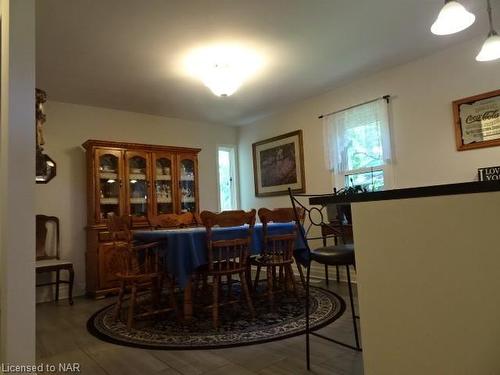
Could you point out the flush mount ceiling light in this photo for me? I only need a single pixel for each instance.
(452, 18)
(223, 68)
(491, 46)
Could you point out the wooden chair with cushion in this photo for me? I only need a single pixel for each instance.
(277, 251)
(47, 231)
(228, 257)
(166, 221)
(141, 270)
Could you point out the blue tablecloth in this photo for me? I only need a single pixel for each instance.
(185, 248)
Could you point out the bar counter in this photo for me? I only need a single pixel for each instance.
(428, 263)
(415, 192)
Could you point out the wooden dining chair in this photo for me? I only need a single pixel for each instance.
(277, 251)
(228, 257)
(140, 270)
(166, 221)
(48, 257)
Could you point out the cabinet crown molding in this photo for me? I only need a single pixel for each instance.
(92, 143)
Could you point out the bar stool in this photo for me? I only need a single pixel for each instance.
(335, 255)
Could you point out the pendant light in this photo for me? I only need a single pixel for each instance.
(491, 46)
(452, 18)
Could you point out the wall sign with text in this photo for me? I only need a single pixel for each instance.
(477, 121)
(489, 174)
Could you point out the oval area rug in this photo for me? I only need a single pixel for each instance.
(236, 328)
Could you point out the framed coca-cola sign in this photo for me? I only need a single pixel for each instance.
(477, 121)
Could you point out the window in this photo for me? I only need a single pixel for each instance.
(226, 156)
(358, 146)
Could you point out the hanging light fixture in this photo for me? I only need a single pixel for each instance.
(491, 46)
(452, 18)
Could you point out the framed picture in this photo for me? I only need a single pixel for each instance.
(477, 121)
(278, 163)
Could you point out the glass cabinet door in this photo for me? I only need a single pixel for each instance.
(187, 184)
(138, 194)
(109, 182)
(164, 202)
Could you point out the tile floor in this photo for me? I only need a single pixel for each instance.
(62, 337)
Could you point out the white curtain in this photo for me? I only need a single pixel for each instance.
(338, 129)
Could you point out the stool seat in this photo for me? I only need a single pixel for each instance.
(335, 255)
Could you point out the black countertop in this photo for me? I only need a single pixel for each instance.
(416, 192)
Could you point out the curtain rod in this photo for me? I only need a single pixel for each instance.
(386, 97)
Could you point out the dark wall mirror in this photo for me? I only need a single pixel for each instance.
(45, 168)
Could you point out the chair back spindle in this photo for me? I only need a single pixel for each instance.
(229, 255)
(278, 248)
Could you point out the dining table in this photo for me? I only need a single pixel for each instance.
(185, 249)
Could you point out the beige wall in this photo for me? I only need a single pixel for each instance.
(421, 116)
(69, 125)
(428, 297)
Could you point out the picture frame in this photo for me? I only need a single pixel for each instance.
(278, 163)
(477, 121)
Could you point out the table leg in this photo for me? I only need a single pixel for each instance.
(188, 301)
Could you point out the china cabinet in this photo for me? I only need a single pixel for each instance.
(140, 180)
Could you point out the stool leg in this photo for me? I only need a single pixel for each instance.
(257, 275)
(71, 281)
(246, 291)
(308, 358)
(121, 294)
(131, 307)
(270, 279)
(289, 271)
(355, 326)
(326, 274)
(301, 274)
(215, 301)
(280, 277)
(58, 279)
(229, 282)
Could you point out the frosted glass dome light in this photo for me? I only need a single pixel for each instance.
(452, 18)
(222, 80)
(491, 48)
(223, 68)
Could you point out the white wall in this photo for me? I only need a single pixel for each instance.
(69, 125)
(422, 120)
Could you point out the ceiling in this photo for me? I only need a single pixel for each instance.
(125, 54)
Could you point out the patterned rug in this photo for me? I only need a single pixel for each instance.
(236, 326)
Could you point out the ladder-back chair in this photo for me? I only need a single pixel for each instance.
(140, 270)
(227, 257)
(277, 250)
(48, 257)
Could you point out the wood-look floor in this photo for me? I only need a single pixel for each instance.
(62, 337)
